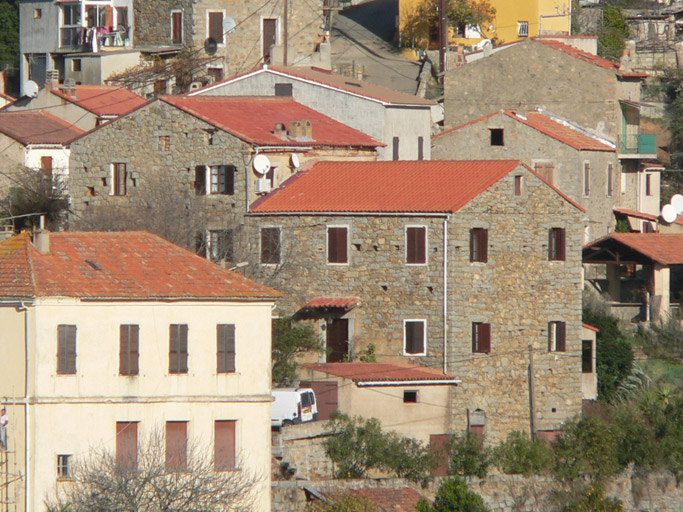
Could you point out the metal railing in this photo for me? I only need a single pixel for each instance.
(642, 144)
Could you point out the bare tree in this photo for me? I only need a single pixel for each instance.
(145, 482)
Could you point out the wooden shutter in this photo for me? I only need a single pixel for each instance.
(224, 444)
(216, 26)
(200, 180)
(177, 358)
(120, 175)
(416, 244)
(177, 27)
(479, 240)
(269, 36)
(545, 170)
(395, 148)
(128, 349)
(46, 166)
(415, 337)
(66, 349)
(561, 337)
(230, 179)
(226, 348)
(127, 444)
(337, 245)
(270, 245)
(176, 444)
(420, 148)
(481, 337)
(556, 244)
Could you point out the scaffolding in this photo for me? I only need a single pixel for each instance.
(8, 492)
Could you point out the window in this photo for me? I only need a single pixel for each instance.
(556, 244)
(66, 349)
(270, 246)
(479, 240)
(63, 466)
(414, 337)
(37, 14)
(226, 348)
(420, 148)
(128, 349)
(557, 336)
(176, 444)
(481, 338)
(518, 185)
(416, 245)
(215, 28)
(222, 179)
(522, 29)
(610, 179)
(216, 74)
(283, 89)
(497, 137)
(394, 143)
(220, 244)
(337, 245)
(77, 65)
(164, 143)
(127, 444)
(71, 26)
(545, 170)
(410, 397)
(586, 179)
(648, 184)
(119, 176)
(224, 456)
(177, 27)
(587, 356)
(46, 166)
(177, 354)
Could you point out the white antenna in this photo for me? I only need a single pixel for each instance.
(261, 164)
(295, 161)
(669, 213)
(31, 89)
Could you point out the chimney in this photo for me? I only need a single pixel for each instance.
(280, 131)
(301, 129)
(41, 240)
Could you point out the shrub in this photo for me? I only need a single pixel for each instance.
(467, 455)
(592, 499)
(519, 455)
(345, 503)
(662, 340)
(454, 496)
(289, 341)
(635, 437)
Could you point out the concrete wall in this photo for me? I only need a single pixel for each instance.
(97, 68)
(382, 123)
(532, 147)
(39, 35)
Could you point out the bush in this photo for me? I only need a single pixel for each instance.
(345, 503)
(467, 455)
(519, 455)
(635, 437)
(662, 340)
(358, 445)
(593, 499)
(289, 341)
(454, 496)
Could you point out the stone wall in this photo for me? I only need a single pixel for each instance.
(518, 292)
(532, 146)
(153, 21)
(532, 75)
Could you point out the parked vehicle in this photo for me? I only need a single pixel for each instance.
(293, 405)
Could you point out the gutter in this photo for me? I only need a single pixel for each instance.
(356, 214)
(388, 383)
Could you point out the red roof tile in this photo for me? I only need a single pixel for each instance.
(331, 302)
(117, 265)
(635, 214)
(361, 372)
(104, 100)
(436, 186)
(580, 54)
(663, 248)
(390, 500)
(37, 127)
(590, 327)
(253, 119)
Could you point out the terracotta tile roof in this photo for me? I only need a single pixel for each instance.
(579, 54)
(361, 372)
(104, 100)
(37, 127)
(635, 214)
(590, 327)
(436, 186)
(117, 265)
(331, 303)
(469, 123)
(663, 248)
(390, 500)
(253, 119)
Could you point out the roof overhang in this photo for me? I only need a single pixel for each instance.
(394, 383)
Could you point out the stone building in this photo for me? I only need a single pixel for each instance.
(471, 267)
(201, 152)
(582, 165)
(403, 122)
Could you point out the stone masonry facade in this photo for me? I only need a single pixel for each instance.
(153, 21)
(532, 75)
(533, 147)
(518, 291)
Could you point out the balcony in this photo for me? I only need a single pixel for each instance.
(637, 145)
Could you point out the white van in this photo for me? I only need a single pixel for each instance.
(293, 405)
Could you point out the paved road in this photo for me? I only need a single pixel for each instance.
(363, 35)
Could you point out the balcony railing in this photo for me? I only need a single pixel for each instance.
(641, 144)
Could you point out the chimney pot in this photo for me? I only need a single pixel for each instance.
(41, 241)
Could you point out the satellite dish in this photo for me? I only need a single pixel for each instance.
(261, 164)
(229, 25)
(677, 202)
(31, 89)
(295, 161)
(210, 46)
(669, 213)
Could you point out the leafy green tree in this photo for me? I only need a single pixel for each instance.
(468, 456)
(290, 341)
(592, 499)
(519, 455)
(454, 496)
(9, 33)
(613, 33)
(635, 437)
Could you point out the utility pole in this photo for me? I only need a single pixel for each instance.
(284, 31)
(443, 37)
(532, 397)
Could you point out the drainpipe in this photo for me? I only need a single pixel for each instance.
(28, 475)
(445, 295)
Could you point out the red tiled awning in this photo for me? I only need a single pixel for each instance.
(344, 303)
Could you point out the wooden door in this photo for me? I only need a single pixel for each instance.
(337, 340)
(325, 395)
(177, 27)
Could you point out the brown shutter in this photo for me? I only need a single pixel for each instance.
(177, 360)
(216, 26)
(475, 334)
(224, 444)
(560, 245)
(473, 244)
(127, 444)
(483, 245)
(177, 30)
(230, 179)
(176, 444)
(561, 337)
(416, 244)
(337, 245)
(485, 338)
(270, 245)
(414, 337)
(128, 349)
(66, 349)
(226, 348)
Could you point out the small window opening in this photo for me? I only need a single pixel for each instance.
(410, 397)
(497, 137)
